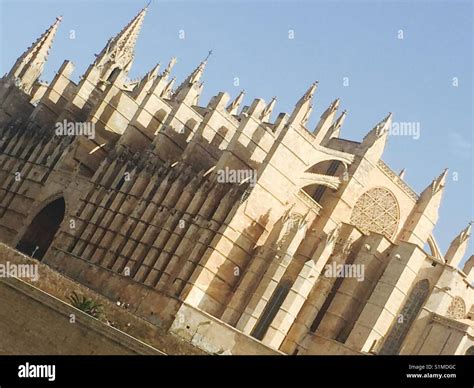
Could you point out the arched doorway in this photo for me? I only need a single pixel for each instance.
(40, 233)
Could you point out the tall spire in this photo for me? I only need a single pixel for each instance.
(161, 85)
(303, 106)
(432, 193)
(425, 213)
(305, 118)
(436, 185)
(235, 105)
(326, 121)
(458, 247)
(309, 94)
(336, 127)
(402, 173)
(144, 85)
(268, 110)
(120, 50)
(153, 73)
(168, 89)
(28, 68)
(195, 76)
(168, 69)
(468, 269)
(374, 142)
(190, 89)
(379, 130)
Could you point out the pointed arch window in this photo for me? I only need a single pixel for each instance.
(405, 318)
(271, 310)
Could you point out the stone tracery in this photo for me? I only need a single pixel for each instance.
(376, 211)
(457, 309)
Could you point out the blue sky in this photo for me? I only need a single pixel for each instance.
(411, 77)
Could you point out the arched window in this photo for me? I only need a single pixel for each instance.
(120, 183)
(271, 310)
(114, 74)
(407, 316)
(40, 233)
(327, 167)
(470, 351)
(331, 171)
(376, 211)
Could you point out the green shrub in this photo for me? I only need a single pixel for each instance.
(89, 306)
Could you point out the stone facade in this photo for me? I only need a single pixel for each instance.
(238, 234)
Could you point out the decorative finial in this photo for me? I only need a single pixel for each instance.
(268, 110)
(208, 55)
(234, 105)
(170, 66)
(439, 182)
(401, 175)
(309, 94)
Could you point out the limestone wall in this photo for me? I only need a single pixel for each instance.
(131, 320)
(214, 336)
(33, 322)
(315, 344)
